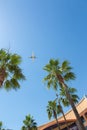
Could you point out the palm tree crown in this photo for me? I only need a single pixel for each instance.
(10, 71)
(29, 123)
(58, 73)
(53, 111)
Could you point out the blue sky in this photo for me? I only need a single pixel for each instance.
(51, 29)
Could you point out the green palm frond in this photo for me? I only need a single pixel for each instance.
(72, 92)
(65, 102)
(49, 83)
(65, 66)
(47, 68)
(14, 83)
(55, 85)
(7, 85)
(51, 65)
(69, 76)
(52, 83)
(75, 98)
(49, 114)
(47, 77)
(53, 62)
(2, 54)
(16, 71)
(15, 59)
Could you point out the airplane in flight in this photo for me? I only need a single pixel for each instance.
(33, 57)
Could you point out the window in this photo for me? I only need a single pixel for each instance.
(82, 119)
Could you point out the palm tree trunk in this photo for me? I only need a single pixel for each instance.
(79, 122)
(58, 125)
(64, 117)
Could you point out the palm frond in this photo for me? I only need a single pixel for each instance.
(47, 68)
(72, 90)
(65, 102)
(65, 65)
(75, 98)
(15, 59)
(14, 83)
(7, 85)
(69, 76)
(47, 77)
(53, 62)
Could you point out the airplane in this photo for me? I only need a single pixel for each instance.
(33, 56)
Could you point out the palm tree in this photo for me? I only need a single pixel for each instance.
(58, 75)
(61, 110)
(29, 123)
(53, 111)
(62, 99)
(10, 71)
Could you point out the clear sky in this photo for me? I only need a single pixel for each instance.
(51, 29)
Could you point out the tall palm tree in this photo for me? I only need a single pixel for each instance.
(10, 71)
(58, 75)
(61, 110)
(61, 98)
(29, 123)
(53, 111)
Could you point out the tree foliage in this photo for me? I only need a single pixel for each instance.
(58, 76)
(29, 123)
(10, 70)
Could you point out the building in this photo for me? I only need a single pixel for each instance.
(70, 117)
